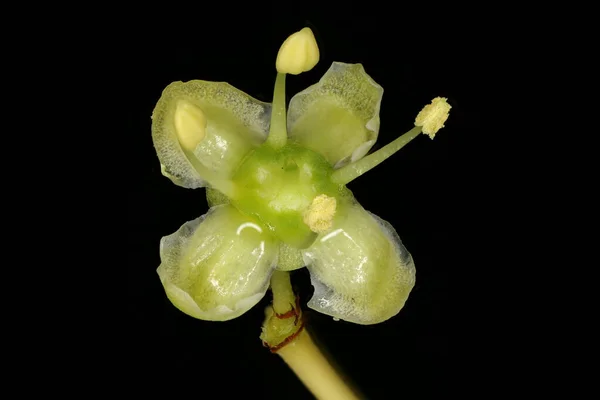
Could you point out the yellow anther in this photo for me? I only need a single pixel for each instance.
(432, 116)
(319, 215)
(299, 53)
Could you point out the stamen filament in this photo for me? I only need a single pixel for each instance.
(278, 131)
(352, 171)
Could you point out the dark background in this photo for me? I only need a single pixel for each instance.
(427, 191)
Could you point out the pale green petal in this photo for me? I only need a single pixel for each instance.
(338, 116)
(360, 270)
(215, 198)
(235, 123)
(217, 266)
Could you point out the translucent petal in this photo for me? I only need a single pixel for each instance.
(338, 116)
(215, 198)
(360, 270)
(217, 266)
(232, 124)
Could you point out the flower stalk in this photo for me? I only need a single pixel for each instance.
(307, 361)
(283, 295)
(298, 350)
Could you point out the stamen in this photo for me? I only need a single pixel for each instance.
(190, 124)
(352, 171)
(278, 130)
(319, 216)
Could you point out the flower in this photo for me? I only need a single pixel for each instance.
(276, 186)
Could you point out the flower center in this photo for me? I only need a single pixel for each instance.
(278, 186)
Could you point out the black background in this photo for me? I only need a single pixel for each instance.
(426, 191)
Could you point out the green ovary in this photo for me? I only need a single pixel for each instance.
(278, 185)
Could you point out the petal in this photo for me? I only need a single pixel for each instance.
(360, 270)
(215, 198)
(232, 123)
(339, 116)
(217, 266)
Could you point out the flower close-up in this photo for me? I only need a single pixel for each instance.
(276, 177)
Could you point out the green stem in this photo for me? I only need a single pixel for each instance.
(352, 171)
(278, 131)
(300, 353)
(309, 364)
(283, 295)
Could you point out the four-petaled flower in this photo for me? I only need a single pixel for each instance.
(276, 186)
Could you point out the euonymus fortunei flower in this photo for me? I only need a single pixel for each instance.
(276, 186)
